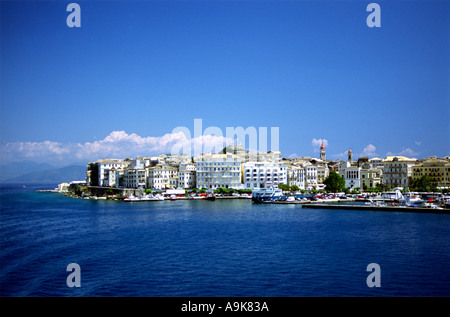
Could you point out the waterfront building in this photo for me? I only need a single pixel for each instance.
(63, 187)
(376, 162)
(397, 171)
(162, 176)
(310, 176)
(438, 170)
(218, 170)
(322, 172)
(134, 178)
(370, 178)
(187, 176)
(364, 162)
(353, 177)
(135, 175)
(341, 166)
(259, 175)
(296, 176)
(103, 172)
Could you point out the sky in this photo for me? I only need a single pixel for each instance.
(135, 72)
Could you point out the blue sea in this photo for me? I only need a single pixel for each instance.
(215, 248)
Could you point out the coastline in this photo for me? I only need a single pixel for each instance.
(336, 203)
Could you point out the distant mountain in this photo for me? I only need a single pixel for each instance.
(54, 175)
(21, 168)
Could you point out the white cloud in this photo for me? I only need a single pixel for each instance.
(339, 156)
(418, 143)
(369, 151)
(317, 143)
(404, 152)
(118, 144)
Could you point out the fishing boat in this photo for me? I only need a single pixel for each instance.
(210, 196)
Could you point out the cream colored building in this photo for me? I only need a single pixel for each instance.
(438, 170)
(370, 178)
(322, 172)
(397, 171)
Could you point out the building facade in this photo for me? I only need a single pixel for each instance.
(187, 176)
(322, 172)
(352, 177)
(370, 178)
(162, 176)
(296, 176)
(259, 175)
(438, 170)
(397, 171)
(218, 170)
(310, 176)
(104, 172)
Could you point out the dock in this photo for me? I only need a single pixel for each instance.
(378, 208)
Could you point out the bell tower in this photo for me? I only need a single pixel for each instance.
(350, 156)
(322, 153)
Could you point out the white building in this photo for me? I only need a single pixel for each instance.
(310, 176)
(135, 175)
(218, 170)
(263, 175)
(187, 176)
(296, 176)
(134, 178)
(103, 172)
(162, 176)
(352, 177)
(342, 167)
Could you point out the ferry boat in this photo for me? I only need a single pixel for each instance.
(266, 194)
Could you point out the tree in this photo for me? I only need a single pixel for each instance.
(334, 182)
(284, 187)
(423, 184)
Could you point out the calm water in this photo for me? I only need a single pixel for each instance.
(220, 248)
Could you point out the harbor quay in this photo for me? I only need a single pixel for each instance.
(361, 203)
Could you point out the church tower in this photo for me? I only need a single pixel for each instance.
(350, 156)
(322, 153)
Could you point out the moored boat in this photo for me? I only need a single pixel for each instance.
(210, 196)
(266, 194)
